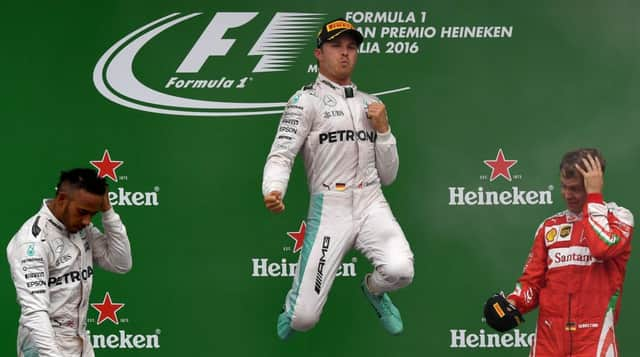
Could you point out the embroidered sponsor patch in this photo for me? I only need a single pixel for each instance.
(577, 255)
(551, 235)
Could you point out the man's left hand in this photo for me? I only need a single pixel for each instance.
(377, 113)
(592, 174)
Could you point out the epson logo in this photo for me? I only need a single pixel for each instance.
(32, 284)
(288, 129)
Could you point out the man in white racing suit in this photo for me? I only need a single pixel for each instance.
(348, 151)
(52, 260)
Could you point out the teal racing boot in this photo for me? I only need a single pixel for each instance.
(389, 315)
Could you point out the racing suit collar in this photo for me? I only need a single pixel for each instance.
(50, 217)
(336, 88)
(573, 217)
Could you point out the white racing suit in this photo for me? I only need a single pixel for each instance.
(52, 271)
(345, 161)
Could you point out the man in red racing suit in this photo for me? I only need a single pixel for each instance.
(576, 268)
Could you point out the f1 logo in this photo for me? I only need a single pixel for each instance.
(278, 47)
(280, 40)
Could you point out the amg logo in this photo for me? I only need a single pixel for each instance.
(325, 247)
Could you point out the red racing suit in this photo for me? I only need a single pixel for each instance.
(574, 274)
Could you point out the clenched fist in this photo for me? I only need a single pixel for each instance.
(377, 113)
(273, 202)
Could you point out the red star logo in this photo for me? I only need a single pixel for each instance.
(500, 166)
(298, 237)
(107, 309)
(106, 167)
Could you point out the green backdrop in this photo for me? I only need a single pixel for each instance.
(465, 79)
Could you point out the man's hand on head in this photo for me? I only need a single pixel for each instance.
(592, 174)
(273, 202)
(106, 204)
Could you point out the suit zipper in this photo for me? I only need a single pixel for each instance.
(570, 326)
(358, 178)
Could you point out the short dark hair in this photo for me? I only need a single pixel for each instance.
(86, 179)
(573, 157)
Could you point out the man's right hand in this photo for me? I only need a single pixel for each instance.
(501, 314)
(592, 174)
(273, 202)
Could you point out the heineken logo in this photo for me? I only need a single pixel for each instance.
(286, 268)
(124, 340)
(515, 196)
(106, 167)
(500, 166)
(119, 196)
(121, 340)
(485, 195)
(464, 339)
